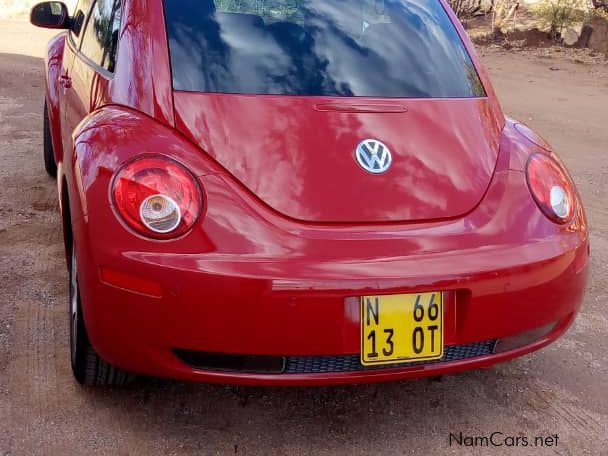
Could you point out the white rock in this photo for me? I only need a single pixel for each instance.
(570, 37)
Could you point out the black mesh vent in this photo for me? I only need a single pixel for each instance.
(316, 364)
(350, 363)
(232, 363)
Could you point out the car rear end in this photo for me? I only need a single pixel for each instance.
(258, 247)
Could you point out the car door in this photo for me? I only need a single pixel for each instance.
(72, 45)
(93, 64)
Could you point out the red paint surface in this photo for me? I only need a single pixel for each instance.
(301, 161)
(263, 271)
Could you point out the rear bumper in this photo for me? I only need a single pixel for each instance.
(251, 283)
(141, 333)
(367, 376)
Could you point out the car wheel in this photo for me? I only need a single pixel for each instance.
(88, 367)
(49, 156)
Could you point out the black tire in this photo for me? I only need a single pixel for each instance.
(49, 155)
(87, 366)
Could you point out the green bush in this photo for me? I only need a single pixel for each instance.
(556, 15)
(257, 6)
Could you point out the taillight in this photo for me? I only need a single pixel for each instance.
(551, 187)
(157, 197)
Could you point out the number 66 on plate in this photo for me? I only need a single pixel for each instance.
(402, 327)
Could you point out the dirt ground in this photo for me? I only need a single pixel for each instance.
(561, 390)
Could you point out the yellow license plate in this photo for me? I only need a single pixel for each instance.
(401, 328)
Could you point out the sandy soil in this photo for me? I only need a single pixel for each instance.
(560, 390)
(21, 8)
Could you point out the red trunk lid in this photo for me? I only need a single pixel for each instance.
(297, 154)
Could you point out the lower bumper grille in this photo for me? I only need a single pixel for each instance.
(316, 364)
(352, 363)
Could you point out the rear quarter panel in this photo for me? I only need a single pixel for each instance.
(141, 82)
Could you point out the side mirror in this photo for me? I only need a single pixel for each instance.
(53, 15)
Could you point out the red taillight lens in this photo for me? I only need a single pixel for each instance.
(157, 197)
(551, 187)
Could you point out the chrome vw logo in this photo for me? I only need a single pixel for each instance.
(374, 156)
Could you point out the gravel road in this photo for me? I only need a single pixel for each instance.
(561, 390)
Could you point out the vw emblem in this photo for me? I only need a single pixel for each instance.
(374, 156)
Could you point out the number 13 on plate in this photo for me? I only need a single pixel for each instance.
(401, 328)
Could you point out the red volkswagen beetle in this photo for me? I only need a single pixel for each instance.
(298, 192)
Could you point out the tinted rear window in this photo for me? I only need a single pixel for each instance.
(374, 48)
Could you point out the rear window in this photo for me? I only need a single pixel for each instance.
(372, 48)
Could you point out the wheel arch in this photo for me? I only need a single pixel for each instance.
(112, 136)
(66, 219)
